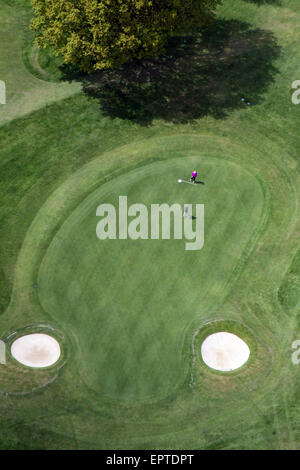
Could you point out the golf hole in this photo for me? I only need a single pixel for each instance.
(224, 351)
(36, 350)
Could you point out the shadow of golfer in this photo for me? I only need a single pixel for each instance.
(204, 73)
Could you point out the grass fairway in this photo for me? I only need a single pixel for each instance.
(130, 316)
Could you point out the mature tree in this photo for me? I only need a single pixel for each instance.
(100, 34)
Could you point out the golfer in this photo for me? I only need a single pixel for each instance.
(194, 176)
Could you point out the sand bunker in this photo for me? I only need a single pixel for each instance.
(36, 350)
(224, 351)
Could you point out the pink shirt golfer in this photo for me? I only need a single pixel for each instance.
(194, 174)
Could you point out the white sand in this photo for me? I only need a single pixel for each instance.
(36, 350)
(224, 351)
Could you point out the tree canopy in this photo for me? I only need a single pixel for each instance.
(101, 34)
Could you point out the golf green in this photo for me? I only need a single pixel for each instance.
(130, 302)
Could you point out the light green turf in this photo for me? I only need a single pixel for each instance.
(131, 315)
(25, 92)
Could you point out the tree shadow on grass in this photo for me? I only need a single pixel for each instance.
(204, 73)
